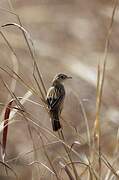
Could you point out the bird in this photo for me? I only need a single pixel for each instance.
(55, 98)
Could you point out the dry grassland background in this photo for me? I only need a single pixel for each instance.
(69, 36)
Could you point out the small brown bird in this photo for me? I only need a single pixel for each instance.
(55, 98)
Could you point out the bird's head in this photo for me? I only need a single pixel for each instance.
(61, 78)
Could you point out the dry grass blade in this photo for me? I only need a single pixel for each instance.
(38, 85)
(9, 45)
(69, 155)
(13, 96)
(21, 28)
(110, 29)
(46, 130)
(40, 163)
(6, 120)
(50, 162)
(8, 167)
(117, 143)
(96, 123)
(22, 112)
(97, 120)
(33, 57)
(28, 39)
(67, 171)
(75, 143)
(14, 62)
(5, 130)
(31, 48)
(22, 154)
(106, 51)
(113, 177)
(107, 163)
(16, 76)
(87, 125)
(9, 123)
(40, 77)
(100, 83)
(87, 167)
(34, 91)
(115, 156)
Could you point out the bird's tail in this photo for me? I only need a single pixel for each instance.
(56, 124)
(55, 120)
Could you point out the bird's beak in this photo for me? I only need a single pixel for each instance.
(69, 77)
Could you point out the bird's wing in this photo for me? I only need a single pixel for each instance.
(54, 97)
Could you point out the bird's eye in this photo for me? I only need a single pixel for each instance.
(62, 77)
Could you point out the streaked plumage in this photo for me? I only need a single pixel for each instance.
(55, 99)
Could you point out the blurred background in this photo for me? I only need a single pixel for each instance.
(69, 36)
